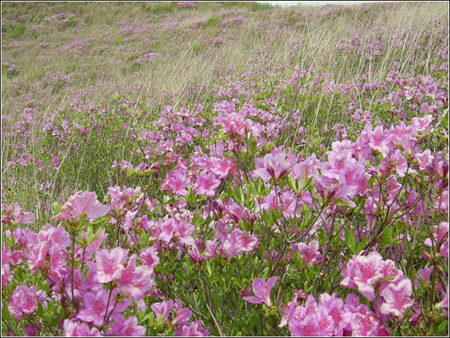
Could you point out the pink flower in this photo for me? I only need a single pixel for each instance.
(176, 182)
(109, 264)
(362, 273)
(444, 301)
(183, 315)
(136, 282)
(149, 256)
(309, 252)
(162, 309)
(94, 306)
(194, 329)
(206, 184)
(422, 124)
(74, 328)
(238, 243)
(441, 233)
(79, 203)
(126, 328)
(262, 291)
(397, 299)
(25, 300)
(306, 327)
(21, 217)
(379, 140)
(273, 167)
(222, 167)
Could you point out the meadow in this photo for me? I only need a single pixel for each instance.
(224, 168)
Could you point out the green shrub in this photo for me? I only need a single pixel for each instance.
(19, 30)
(257, 7)
(161, 8)
(212, 21)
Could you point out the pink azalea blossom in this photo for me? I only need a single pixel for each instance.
(162, 309)
(194, 329)
(79, 203)
(126, 328)
(379, 140)
(274, 167)
(149, 257)
(397, 298)
(176, 182)
(183, 315)
(441, 235)
(24, 301)
(136, 282)
(74, 328)
(222, 167)
(262, 291)
(109, 264)
(95, 306)
(309, 252)
(206, 184)
(362, 273)
(238, 242)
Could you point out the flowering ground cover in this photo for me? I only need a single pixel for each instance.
(232, 169)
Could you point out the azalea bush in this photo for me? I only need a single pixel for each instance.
(286, 200)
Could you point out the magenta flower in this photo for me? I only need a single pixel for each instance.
(79, 203)
(262, 291)
(24, 301)
(176, 182)
(441, 235)
(94, 306)
(206, 184)
(136, 282)
(362, 273)
(74, 328)
(21, 217)
(273, 167)
(149, 257)
(162, 309)
(238, 243)
(126, 328)
(364, 324)
(309, 252)
(222, 167)
(306, 327)
(109, 264)
(379, 140)
(397, 298)
(183, 315)
(194, 329)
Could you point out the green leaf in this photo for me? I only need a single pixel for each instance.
(82, 219)
(350, 240)
(387, 236)
(56, 208)
(442, 326)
